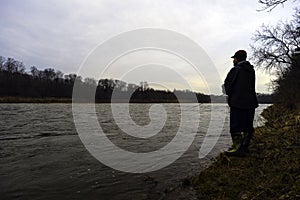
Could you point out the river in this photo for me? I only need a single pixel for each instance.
(42, 156)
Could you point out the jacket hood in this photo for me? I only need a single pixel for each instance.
(245, 65)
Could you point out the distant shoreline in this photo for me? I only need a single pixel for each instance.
(34, 100)
(69, 100)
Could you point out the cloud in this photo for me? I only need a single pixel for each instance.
(60, 34)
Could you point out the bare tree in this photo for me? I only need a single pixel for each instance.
(59, 75)
(144, 85)
(90, 81)
(2, 61)
(49, 74)
(13, 66)
(275, 47)
(269, 5)
(132, 87)
(34, 71)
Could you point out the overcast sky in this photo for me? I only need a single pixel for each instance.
(61, 34)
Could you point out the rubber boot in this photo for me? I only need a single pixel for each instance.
(246, 142)
(237, 144)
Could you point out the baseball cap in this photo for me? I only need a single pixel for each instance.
(240, 55)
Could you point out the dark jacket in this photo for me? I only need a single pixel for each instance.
(240, 86)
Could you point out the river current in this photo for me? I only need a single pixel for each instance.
(42, 156)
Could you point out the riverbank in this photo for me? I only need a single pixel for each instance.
(270, 171)
(69, 100)
(34, 100)
(14, 99)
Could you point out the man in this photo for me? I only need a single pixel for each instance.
(239, 85)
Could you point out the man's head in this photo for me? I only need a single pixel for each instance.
(239, 56)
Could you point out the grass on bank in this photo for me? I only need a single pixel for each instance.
(270, 171)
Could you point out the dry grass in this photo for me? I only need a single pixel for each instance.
(270, 171)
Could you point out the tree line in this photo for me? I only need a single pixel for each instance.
(15, 81)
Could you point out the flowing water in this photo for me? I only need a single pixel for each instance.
(42, 156)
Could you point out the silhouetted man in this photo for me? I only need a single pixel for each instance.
(240, 88)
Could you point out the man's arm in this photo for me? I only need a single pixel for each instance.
(230, 79)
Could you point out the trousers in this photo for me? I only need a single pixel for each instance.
(241, 120)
